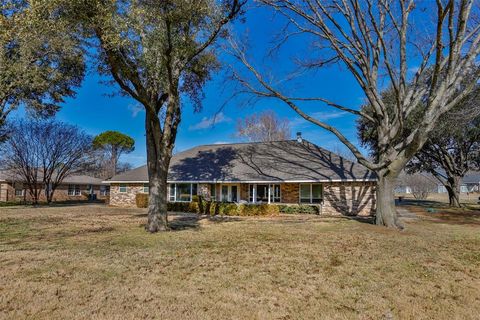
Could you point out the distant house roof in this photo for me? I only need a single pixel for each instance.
(281, 161)
(472, 177)
(6, 175)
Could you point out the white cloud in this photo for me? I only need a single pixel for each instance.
(208, 122)
(221, 142)
(135, 109)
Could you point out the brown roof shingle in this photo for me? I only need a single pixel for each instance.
(251, 162)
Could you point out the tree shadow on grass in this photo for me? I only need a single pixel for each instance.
(439, 212)
(179, 222)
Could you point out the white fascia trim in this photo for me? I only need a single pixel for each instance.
(254, 181)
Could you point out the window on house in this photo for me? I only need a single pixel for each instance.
(19, 192)
(104, 190)
(73, 190)
(262, 192)
(146, 188)
(184, 192)
(122, 188)
(224, 194)
(194, 189)
(275, 193)
(171, 197)
(213, 191)
(311, 193)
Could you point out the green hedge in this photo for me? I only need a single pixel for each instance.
(299, 209)
(199, 205)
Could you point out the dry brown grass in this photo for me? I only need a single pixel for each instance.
(93, 262)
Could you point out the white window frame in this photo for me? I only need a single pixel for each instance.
(123, 185)
(311, 193)
(174, 197)
(22, 192)
(74, 190)
(146, 188)
(252, 198)
(229, 192)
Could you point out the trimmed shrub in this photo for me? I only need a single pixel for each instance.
(299, 209)
(200, 206)
(258, 210)
(141, 199)
(191, 207)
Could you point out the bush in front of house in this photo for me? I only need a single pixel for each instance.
(201, 206)
(191, 207)
(141, 199)
(299, 209)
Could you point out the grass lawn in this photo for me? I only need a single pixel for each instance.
(94, 262)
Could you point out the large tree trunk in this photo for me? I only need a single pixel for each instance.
(453, 189)
(158, 161)
(386, 214)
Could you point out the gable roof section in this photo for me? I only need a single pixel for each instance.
(280, 161)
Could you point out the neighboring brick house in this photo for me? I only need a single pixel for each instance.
(73, 188)
(287, 172)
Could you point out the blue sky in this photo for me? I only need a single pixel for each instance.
(94, 110)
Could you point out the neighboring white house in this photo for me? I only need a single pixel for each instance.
(470, 183)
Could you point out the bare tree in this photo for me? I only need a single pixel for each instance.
(20, 157)
(453, 148)
(420, 185)
(43, 153)
(64, 150)
(266, 126)
(378, 43)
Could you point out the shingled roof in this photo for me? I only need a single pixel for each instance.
(280, 161)
(6, 175)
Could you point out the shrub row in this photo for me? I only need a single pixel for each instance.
(199, 205)
(299, 209)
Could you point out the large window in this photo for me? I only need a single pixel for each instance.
(122, 188)
(311, 193)
(262, 192)
(229, 193)
(73, 190)
(182, 192)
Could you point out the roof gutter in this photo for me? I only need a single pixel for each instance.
(250, 181)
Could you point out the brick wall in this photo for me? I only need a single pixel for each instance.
(289, 192)
(125, 199)
(60, 194)
(340, 198)
(351, 198)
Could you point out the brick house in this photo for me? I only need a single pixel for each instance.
(73, 188)
(283, 172)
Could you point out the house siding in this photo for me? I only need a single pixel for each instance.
(349, 198)
(339, 198)
(7, 193)
(125, 199)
